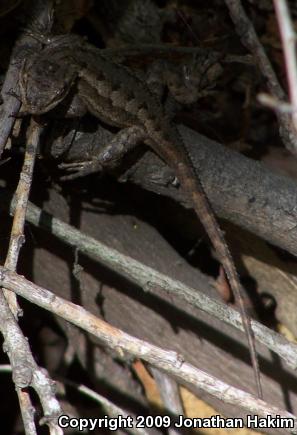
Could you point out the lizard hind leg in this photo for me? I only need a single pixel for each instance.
(110, 155)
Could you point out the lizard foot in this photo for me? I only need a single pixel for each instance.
(79, 169)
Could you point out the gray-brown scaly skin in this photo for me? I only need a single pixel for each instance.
(119, 98)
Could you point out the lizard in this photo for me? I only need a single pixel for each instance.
(70, 70)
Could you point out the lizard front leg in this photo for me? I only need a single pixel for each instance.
(109, 156)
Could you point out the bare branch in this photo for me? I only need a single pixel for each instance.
(250, 40)
(25, 370)
(169, 361)
(17, 349)
(288, 38)
(27, 411)
(277, 105)
(17, 237)
(110, 408)
(169, 392)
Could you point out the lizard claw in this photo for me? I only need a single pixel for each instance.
(79, 169)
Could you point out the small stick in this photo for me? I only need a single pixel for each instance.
(17, 237)
(16, 240)
(110, 408)
(27, 373)
(288, 38)
(169, 392)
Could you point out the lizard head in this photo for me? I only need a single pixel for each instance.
(44, 83)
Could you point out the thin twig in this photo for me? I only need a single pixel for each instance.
(16, 240)
(288, 38)
(110, 408)
(22, 195)
(5, 368)
(149, 279)
(170, 394)
(27, 412)
(250, 40)
(114, 338)
(26, 372)
(277, 105)
(17, 237)
(26, 407)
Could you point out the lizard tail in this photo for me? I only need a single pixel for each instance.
(193, 186)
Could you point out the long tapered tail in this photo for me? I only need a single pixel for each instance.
(193, 186)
